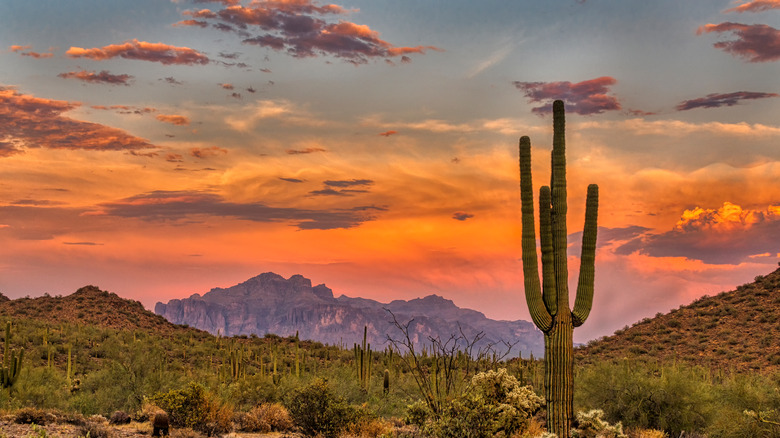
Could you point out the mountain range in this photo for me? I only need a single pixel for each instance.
(269, 303)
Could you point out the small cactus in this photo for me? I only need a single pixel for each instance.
(12, 364)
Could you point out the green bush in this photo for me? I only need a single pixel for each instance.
(316, 410)
(494, 405)
(669, 398)
(194, 408)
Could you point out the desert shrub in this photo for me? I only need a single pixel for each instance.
(741, 403)
(185, 433)
(194, 408)
(494, 405)
(591, 425)
(94, 429)
(265, 418)
(37, 416)
(669, 398)
(370, 427)
(316, 410)
(646, 433)
(119, 417)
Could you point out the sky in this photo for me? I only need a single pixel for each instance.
(160, 148)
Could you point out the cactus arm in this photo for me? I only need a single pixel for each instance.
(545, 238)
(559, 206)
(533, 293)
(584, 300)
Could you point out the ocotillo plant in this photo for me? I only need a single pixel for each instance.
(548, 303)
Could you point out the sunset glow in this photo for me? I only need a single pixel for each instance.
(163, 148)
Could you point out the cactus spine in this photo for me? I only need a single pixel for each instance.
(548, 303)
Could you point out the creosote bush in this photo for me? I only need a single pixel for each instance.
(194, 408)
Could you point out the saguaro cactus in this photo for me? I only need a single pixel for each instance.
(12, 364)
(548, 303)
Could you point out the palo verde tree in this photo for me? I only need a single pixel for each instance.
(548, 303)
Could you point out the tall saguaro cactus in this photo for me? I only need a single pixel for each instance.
(548, 303)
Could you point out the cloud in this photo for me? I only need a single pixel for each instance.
(462, 216)
(189, 205)
(125, 109)
(103, 77)
(302, 29)
(716, 100)
(291, 180)
(174, 158)
(227, 86)
(585, 98)
(82, 243)
(198, 23)
(756, 6)
(173, 119)
(305, 151)
(171, 80)
(349, 183)
(31, 122)
(203, 153)
(22, 51)
(727, 235)
(755, 42)
(388, 133)
(144, 51)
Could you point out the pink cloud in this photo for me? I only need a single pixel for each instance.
(586, 97)
(756, 6)
(173, 119)
(144, 51)
(31, 122)
(755, 42)
(21, 50)
(103, 77)
(227, 86)
(716, 100)
(301, 28)
(17, 48)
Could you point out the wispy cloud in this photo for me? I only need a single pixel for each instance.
(305, 151)
(102, 77)
(301, 28)
(388, 133)
(716, 100)
(496, 57)
(586, 97)
(209, 152)
(173, 119)
(755, 42)
(143, 51)
(31, 122)
(25, 51)
(181, 205)
(756, 6)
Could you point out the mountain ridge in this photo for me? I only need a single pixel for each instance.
(269, 303)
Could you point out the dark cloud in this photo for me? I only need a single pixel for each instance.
(756, 6)
(31, 122)
(755, 42)
(188, 205)
(462, 216)
(265, 70)
(305, 151)
(125, 109)
(302, 28)
(716, 100)
(235, 95)
(251, 90)
(174, 158)
(83, 243)
(329, 192)
(198, 23)
(348, 183)
(606, 237)
(102, 77)
(586, 97)
(171, 80)
(292, 180)
(35, 202)
(144, 51)
(728, 235)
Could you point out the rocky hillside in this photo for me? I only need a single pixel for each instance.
(269, 303)
(90, 306)
(737, 330)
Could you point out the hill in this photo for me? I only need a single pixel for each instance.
(89, 306)
(269, 303)
(736, 330)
